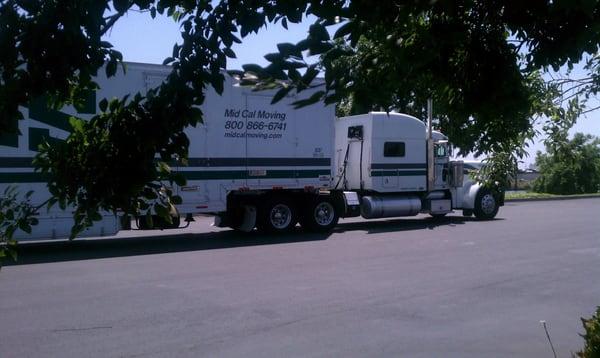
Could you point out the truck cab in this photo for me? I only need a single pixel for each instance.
(395, 168)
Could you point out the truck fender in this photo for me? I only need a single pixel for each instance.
(470, 193)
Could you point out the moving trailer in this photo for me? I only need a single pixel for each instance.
(253, 164)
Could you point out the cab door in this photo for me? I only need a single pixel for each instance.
(441, 158)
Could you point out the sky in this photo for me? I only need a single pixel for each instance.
(141, 39)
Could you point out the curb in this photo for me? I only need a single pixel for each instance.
(555, 198)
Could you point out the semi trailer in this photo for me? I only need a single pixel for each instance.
(253, 164)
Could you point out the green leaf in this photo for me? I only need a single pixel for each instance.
(216, 80)
(161, 211)
(121, 5)
(273, 57)
(95, 216)
(51, 203)
(23, 225)
(103, 105)
(76, 124)
(318, 32)
(13, 254)
(343, 30)
(310, 75)
(179, 179)
(229, 52)
(252, 67)
(316, 97)
(149, 194)
(287, 49)
(195, 115)
(114, 104)
(163, 167)
(176, 199)
(111, 68)
(280, 94)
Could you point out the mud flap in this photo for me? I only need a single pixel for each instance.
(249, 221)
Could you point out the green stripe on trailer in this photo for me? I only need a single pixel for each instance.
(400, 173)
(245, 174)
(22, 178)
(16, 162)
(193, 175)
(41, 112)
(9, 140)
(390, 166)
(26, 162)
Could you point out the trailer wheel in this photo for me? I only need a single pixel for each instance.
(486, 205)
(276, 216)
(320, 215)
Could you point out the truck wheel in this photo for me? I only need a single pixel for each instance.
(320, 215)
(276, 216)
(486, 206)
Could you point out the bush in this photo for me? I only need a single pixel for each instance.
(591, 337)
(569, 166)
(15, 214)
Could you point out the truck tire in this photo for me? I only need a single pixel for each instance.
(276, 216)
(320, 215)
(486, 205)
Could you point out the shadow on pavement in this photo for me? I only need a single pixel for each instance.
(88, 249)
(405, 224)
(57, 251)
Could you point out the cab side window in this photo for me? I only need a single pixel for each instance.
(394, 149)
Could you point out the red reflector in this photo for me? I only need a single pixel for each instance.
(202, 207)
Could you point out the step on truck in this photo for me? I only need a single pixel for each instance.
(253, 164)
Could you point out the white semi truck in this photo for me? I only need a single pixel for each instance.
(257, 165)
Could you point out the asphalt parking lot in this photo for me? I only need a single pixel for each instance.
(413, 287)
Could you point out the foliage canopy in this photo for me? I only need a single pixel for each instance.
(479, 60)
(569, 166)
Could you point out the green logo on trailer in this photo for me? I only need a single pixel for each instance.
(39, 111)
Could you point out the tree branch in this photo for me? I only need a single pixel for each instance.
(111, 20)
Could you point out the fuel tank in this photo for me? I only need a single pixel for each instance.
(373, 207)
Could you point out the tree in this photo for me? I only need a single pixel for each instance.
(478, 59)
(591, 336)
(569, 166)
(481, 62)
